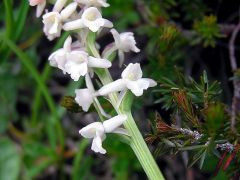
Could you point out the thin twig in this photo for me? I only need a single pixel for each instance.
(236, 82)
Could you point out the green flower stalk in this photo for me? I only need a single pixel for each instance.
(81, 58)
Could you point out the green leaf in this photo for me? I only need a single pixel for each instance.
(77, 165)
(197, 156)
(9, 18)
(26, 61)
(21, 18)
(37, 157)
(202, 160)
(215, 116)
(9, 160)
(8, 96)
(187, 148)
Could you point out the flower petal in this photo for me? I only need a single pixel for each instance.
(152, 83)
(97, 145)
(90, 130)
(138, 86)
(132, 72)
(67, 44)
(96, 25)
(40, 8)
(59, 4)
(84, 98)
(58, 59)
(76, 70)
(116, 36)
(113, 123)
(68, 11)
(96, 3)
(73, 25)
(107, 23)
(115, 86)
(98, 63)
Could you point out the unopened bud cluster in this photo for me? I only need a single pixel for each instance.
(226, 147)
(194, 134)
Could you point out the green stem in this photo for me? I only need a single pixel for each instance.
(137, 142)
(140, 148)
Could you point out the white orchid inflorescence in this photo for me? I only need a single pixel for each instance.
(80, 58)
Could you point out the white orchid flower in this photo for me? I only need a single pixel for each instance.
(40, 6)
(52, 25)
(78, 64)
(84, 98)
(131, 79)
(58, 58)
(95, 3)
(91, 19)
(53, 21)
(124, 42)
(75, 62)
(97, 131)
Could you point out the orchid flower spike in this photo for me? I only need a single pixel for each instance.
(95, 3)
(124, 42)
(40, 6)
(75, 62)
(97, 131)
(53, 20)
(91, 19)
(131, 79)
